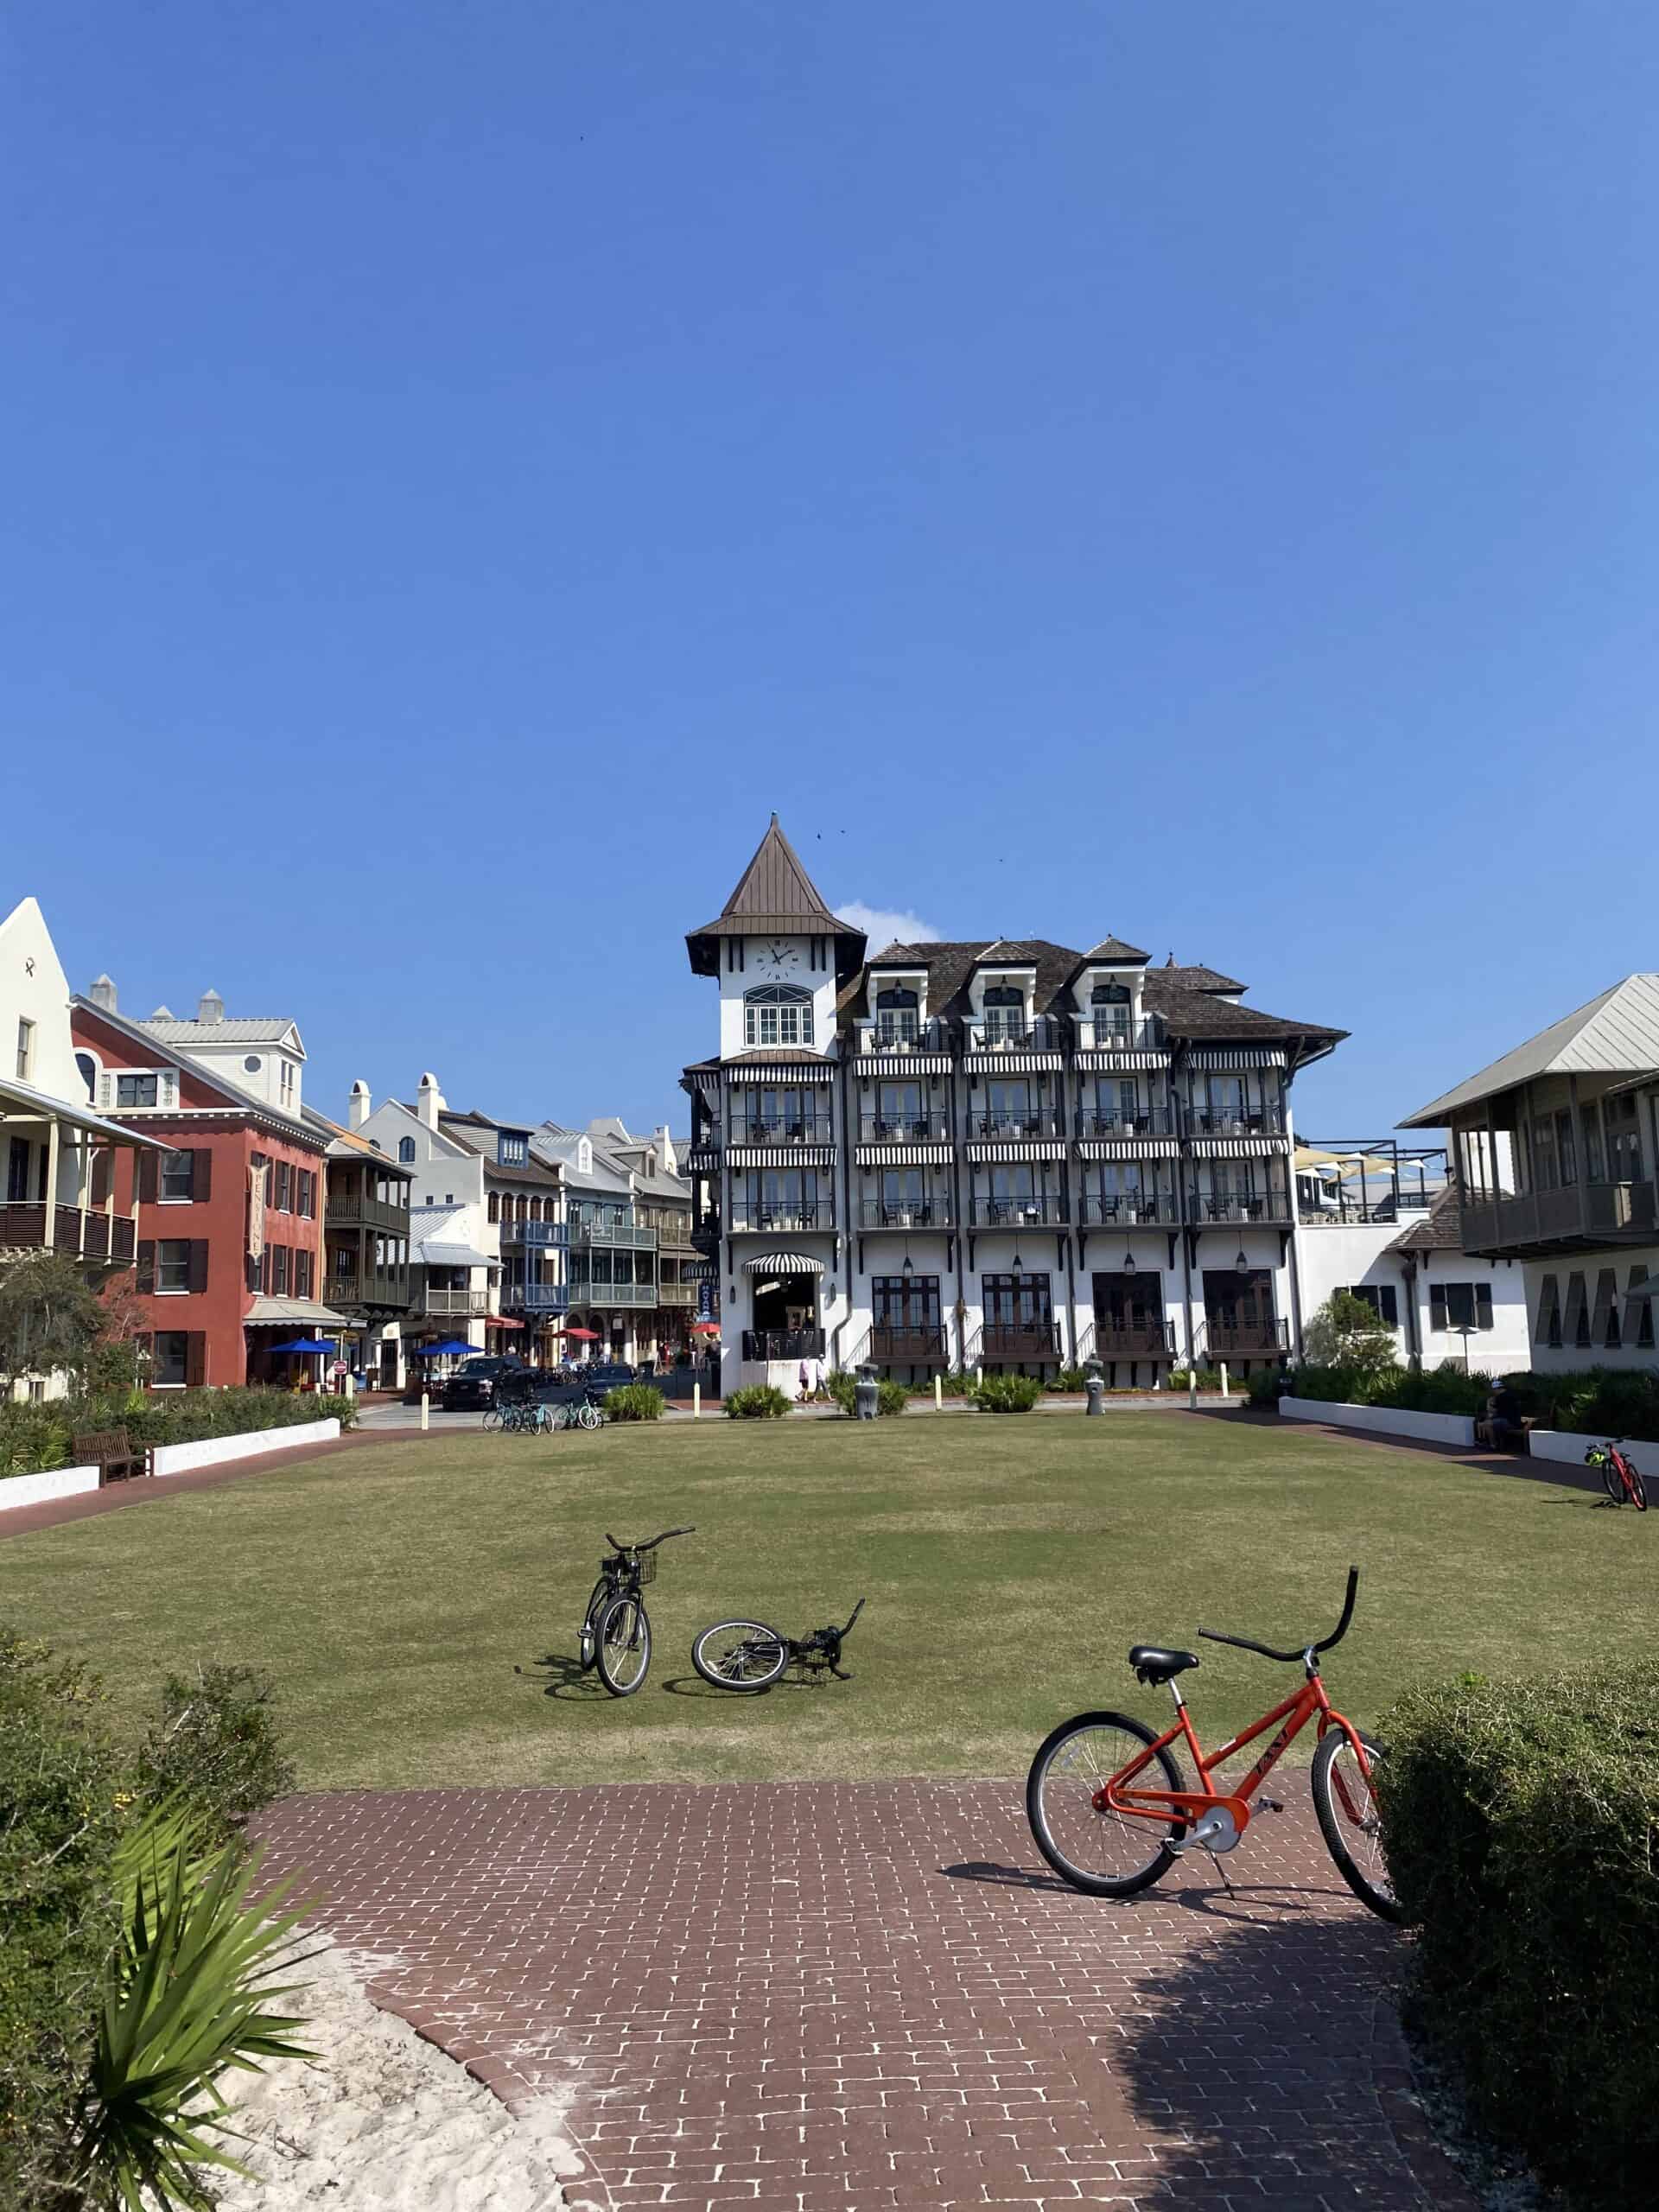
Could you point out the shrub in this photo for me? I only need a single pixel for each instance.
(33, 1437)
(890, 1397)
(1520, 1818)
(214, 1745)
(1208, 1378)
(1347, 1332)
(1069, 1382)
(1006, 1394)
(633, 1402)
(757, 1401)
(1265, 1385)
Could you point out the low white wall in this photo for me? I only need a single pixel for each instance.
(1568, 1450)
(214, 1451)
(1385, 1421)
(36, 1490)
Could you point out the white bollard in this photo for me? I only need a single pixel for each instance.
(1224, 1378)
(1192, 1389)
(426, 1411)
(939, 1394)
(696, 1401)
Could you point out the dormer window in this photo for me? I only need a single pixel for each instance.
(1005, 1012)
(897, 1015)
(1110, 1004)
(513, 1148)
(776, 1015)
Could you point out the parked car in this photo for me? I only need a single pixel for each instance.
(474, 1386)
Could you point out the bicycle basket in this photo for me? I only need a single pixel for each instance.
(644, 1564)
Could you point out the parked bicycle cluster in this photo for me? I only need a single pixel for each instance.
(741, 1655)
(535, 1417)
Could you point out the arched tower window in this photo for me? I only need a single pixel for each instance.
(405, 1148)
(776, 1015)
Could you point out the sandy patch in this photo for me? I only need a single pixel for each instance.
(382, 2121)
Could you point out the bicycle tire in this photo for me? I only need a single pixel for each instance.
(492, 1417)
(590, 1639)
(1611, 1481)
(1338, 1819)
(624, 1639)
(1091, 1883)
(763, 1654)
(590, 1417)
(1638, 1488)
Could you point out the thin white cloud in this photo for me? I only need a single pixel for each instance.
(883, 926)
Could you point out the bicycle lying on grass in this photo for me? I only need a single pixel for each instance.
(1102, 1830)
(1620, 1478)
(749, 1656)
(616, 1629)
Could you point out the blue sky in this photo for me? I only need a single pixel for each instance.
(1181, 471)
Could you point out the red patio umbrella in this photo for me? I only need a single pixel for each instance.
(705, 1328)
(588, 1336)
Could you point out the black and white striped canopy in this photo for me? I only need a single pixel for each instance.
(783, 1263)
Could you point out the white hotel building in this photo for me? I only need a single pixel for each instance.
(996, 1154)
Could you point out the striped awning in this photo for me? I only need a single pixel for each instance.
(1018, 1150)
(781, 1155)
(783, 1263)
(1095, 1063)
(749, 1069)
(1237, 1148)
(903, 1155)
(706, 1081)
(1236, 1056)
(902, 1063)
(702, 1159)
(1012, 1063)
(699, 1271)
(1127, 1147)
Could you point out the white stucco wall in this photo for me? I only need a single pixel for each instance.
(1556, 1359)
(1333, 1257)
(34, 987)
(758, 971)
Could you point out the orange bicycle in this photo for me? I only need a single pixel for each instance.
(1102, 1830)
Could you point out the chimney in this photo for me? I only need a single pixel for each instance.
(102, 995)
(211, 1010)
(665, 1150)
(429, 1100)
(357, 1110)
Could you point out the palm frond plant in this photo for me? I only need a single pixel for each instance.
(188, 1997)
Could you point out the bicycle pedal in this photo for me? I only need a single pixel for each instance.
(1269, 1805)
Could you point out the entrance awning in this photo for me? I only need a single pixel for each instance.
(783, 1263)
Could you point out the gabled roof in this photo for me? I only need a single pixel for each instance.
(1199, 978)
(1438, 1230)
(244, 1029)
(1616, 1033)
(773, 893)
(199, 1071)
(1113, 949)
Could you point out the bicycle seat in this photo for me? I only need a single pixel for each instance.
(1153, 1664)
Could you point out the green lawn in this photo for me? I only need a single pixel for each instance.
(395, 1594)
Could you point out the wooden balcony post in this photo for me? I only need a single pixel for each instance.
(49, 1224)
(84, 1186)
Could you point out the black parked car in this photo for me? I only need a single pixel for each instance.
(474, 1386)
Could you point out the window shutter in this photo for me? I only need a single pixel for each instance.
(100, 1190)
(195, 1358)
(105, 1092)
(201, 1176)
(197, 1277)
(1437, 1305)
(144, 1278)
(147, 1177)
(1483, 1306)
(1390, 1305)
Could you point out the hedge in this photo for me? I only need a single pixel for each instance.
(34, 1438)
(1522, 1818)
(633, 1402)
(1594, 1400)
(757, 1401)
(1006, 1394)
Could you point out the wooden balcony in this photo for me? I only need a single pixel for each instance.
(453, 1304)
(386, 1291)
(1253, 1339)
(109, 1236)
(1535, 1223)
(912, 1347)
(366, 1213)
(1034, 1341)
(1134, 1340)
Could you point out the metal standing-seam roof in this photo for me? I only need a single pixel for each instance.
(1616, 1033)
(241, 1029)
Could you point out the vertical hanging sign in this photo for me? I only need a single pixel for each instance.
(256, 1212)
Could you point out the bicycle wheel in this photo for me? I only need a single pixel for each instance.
(1107, 1854)
(623, 1652)
(596, 1606)
(1611, 1481)
(590, 1417)
(493, 1418)
(740, 1656)
(1349, 1820)
(1638, 1488)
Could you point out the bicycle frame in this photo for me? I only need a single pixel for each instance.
(1115, 1796)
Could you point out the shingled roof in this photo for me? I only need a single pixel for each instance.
(773, 893)
(1439, 1230)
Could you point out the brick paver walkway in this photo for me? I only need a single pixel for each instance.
(865, 1997)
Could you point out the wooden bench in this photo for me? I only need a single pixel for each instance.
(109, 1450)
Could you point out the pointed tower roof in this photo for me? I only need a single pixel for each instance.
(774, 892)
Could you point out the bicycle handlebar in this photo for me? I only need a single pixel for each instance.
(618, 1547)
(857, 1610)
(1266, 1651)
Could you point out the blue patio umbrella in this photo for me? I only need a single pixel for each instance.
(438, 1352)
(307, 1343)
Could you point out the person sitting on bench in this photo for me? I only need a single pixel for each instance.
(1502, 1425)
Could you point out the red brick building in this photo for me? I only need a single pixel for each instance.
(230, 1221)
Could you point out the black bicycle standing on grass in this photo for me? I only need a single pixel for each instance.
(616, 1627)
(749, 1656)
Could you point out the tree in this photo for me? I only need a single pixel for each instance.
(1348, 1333)
(51, 1317)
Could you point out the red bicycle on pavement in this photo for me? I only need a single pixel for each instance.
(1103, 1830)
(1620, 1476)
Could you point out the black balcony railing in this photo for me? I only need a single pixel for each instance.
(895, 1034)
(1127, 1208)
(992, 1034)
(1044, 1210)
(1124, 1121)
(1134, 1339)
(1037, 1340)
(918, 1346)
(783, 1344)
(780, 1129)
(1225, 1333)
(902, 1129)
(1256, 1122)
(1036, 1121)
(1241, 1207)
(902, 1213)
(784, 1213)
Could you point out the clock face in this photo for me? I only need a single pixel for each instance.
(779, 959)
